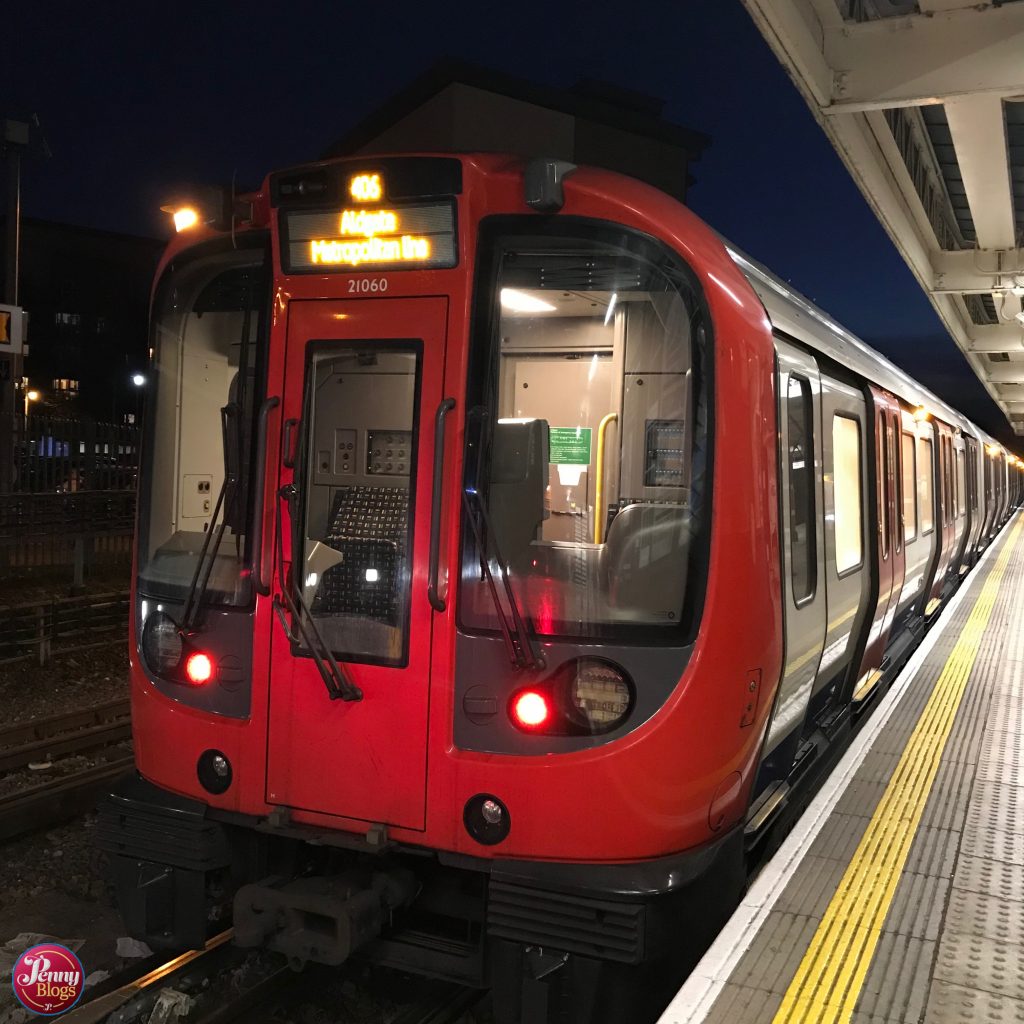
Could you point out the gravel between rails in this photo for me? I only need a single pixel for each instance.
(69, 682)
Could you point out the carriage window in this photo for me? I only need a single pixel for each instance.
(360, 459)
(909, 488)
(925, 473)
(846, 471)
(586, 479)
(801, 488)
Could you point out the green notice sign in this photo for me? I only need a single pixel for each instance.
(569, 446)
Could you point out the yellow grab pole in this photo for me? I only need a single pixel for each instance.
(599, 512)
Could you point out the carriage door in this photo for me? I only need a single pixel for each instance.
(362, 386)
(803, 578)
(890, 451)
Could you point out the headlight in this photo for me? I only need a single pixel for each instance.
(599, 694)
(161, 644)
(583, 697)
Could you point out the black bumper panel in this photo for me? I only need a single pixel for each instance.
(141, 821)
(161, 849)
(602, 929)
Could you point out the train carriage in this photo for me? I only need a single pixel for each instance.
(513, 554)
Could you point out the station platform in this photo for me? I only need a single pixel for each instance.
(899, 896)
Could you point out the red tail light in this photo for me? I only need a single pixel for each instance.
(199, 668)
(530, 709)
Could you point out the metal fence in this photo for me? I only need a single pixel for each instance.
(80, 529)
(56, 455)
(39, 631)
(72, 502)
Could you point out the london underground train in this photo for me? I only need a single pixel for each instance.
(512, 554)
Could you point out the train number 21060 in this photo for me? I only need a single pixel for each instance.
(367, 284)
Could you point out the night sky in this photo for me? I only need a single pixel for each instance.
(132, 103)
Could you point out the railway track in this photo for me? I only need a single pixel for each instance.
(197, 996)
(44, 629)
(64, 796)
(126, 1001)
(74, 732)
(50, 803)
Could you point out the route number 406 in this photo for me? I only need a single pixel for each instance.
(367, 284)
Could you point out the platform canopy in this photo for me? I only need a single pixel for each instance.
(924, 102)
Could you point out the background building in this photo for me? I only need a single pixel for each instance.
(460, 107)
(87, 296)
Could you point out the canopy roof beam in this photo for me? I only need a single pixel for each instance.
(968, 56)
(926, 58)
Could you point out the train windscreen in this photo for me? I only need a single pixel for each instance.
(208, 341)
(587, 441)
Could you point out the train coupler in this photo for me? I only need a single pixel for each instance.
(321, 919)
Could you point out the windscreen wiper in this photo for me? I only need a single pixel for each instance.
(290, 600)
(518, 642)
(204, 565)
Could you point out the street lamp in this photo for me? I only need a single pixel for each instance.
(30, 396)
(138, 380)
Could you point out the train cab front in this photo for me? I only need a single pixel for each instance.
(426, 658)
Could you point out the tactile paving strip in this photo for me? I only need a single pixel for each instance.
(917, 907)
(979, 962)
(952, 1004)
(899, 990)
(991, 877)
(975, 913)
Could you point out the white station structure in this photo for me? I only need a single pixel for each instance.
(924, 102)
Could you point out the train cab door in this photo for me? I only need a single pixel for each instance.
(803, 576)
(363, 383)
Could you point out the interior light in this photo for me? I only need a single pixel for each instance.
(138, 380)
(516, 301)
(530, 709)
(198, 667)
(372, 575)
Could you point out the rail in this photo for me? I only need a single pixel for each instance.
(44, 629)
(61, 735)
(49, 803)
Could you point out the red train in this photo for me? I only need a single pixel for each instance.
(511, 554)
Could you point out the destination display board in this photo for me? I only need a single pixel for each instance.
(371, 234)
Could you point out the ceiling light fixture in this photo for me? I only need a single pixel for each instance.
(516, 301)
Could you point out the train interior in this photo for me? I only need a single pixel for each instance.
(361, 468)
(201, 424)
(588, 487)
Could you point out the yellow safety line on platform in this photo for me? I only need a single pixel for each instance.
(829, 979)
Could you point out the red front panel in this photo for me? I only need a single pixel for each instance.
(364, 759)
(343, 765)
